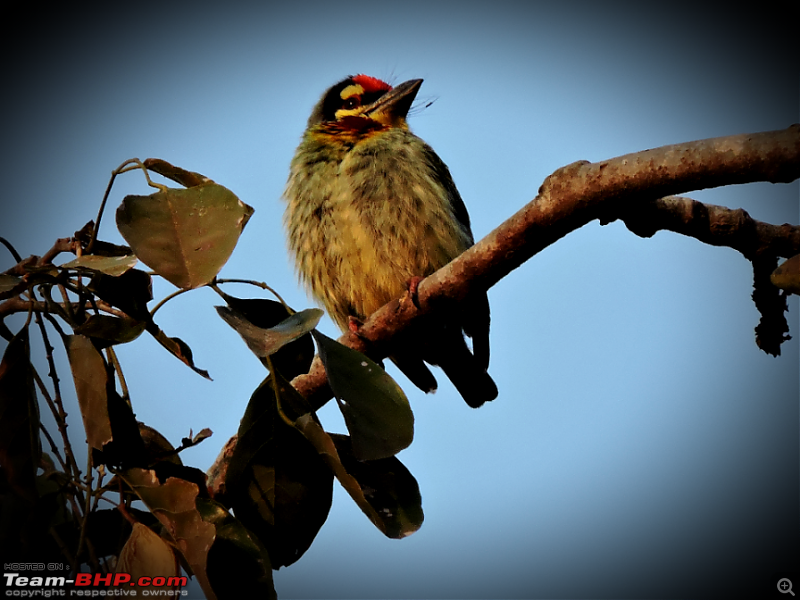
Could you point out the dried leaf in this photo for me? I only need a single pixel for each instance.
(176, 174)
(184, 235)
(376, 411)
(145, 554)
(89, 374)
(173, 504)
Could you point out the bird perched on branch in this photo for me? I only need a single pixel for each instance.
(371, 208)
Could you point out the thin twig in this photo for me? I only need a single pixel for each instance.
(86, 512)
(11, 249)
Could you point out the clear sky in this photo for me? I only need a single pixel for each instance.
(641, 446)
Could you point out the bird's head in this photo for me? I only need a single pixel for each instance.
(363, 103)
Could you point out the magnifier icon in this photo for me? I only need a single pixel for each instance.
(785, 586)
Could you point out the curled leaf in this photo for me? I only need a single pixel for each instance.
(176, 174)
(177, 347)
(110, 265)
(265, 342)
(293, 358)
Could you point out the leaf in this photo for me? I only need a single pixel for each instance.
(388, 523)
(130, 292)
(110, 265)
(11, 285)
(388, 486)
(146, 554)
(201, 435)
(127, 448)
(235, 550)
(184, 235)
(176, 174)
(265, 342)
(20, 448)
(177, 347)
(292, 359)
(375, 409)
(173, 504)
(89, 375)
(787, 275)
(108, 330)
(157, 447)
(276, 483)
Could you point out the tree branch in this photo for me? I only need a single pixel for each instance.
(575, 195)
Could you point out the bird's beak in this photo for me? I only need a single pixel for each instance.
(391, 108)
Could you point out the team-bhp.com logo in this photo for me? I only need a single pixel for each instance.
(88, 584)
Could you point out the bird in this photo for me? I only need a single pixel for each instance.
(370, 210)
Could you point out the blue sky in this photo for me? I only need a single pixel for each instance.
(641, 446)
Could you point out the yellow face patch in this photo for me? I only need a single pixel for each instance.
(353, 94)
(351, 90)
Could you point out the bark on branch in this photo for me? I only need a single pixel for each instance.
(631, 187)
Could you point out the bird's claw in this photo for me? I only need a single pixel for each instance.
(354, 324)
(412, 293)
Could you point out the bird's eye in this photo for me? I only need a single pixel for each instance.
(352, 102)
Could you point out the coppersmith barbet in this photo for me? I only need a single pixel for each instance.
(370, 208)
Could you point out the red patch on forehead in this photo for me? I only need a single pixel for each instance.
(371, 84)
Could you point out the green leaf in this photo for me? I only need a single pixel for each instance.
(276, 482)
(787, 275)
(20, 448)
(388, 486)
(110, 265)
(378, 506)
(375, 409)
(89, 374)
(184, 235)
(265, 342)
(235, 550)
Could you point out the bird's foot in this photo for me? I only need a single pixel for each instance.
(354, 324)
(412, 292)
